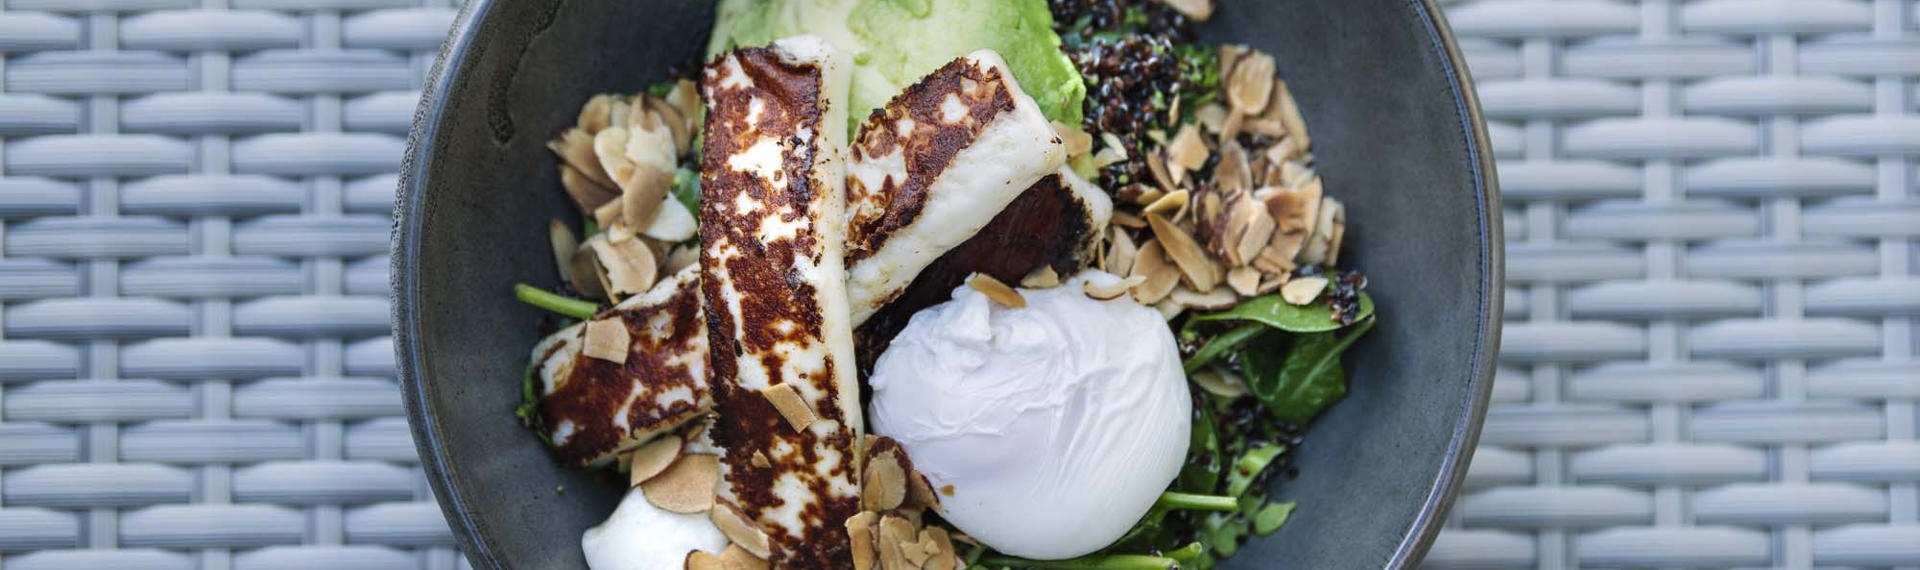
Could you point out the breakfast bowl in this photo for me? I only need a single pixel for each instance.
(1397, 134)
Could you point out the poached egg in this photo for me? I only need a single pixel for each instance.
(1047, 430)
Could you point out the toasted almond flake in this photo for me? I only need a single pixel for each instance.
(860, 531)
(759, 460)
(1218, 299)
(915, 552)
(894, 530)
(652, 459)
(1230, 129)
(1280, 152)
(610, 149)
(996, 291)
(608, 214)
(945, 557)
(1076, 140)
(1296, 173)
(1323, 244)
(1121, 252)
(619, 232)
(920, 493)
(1160, 273)
(680, 258)
(1244, 280)
(1158, 166)
(1112, 290)
(1291, 117)
(677, 124)
(1303, 290)
(885, 485)
(1220, 383)
(1043, 278)
(1169, 203)
(1211, 117)
(686, 486)
(586, 193)
(792, 407)
(575, 147)
(597, 113)
(642, 194)
(1113, 143)
(1230, 55)
(685, 96)
(1251, 83)
(703, 560)
(1250, 229)
(1126, 220)
(1187, 150)
(737, 558)
(587, 274)
(607, 339)
(1108, 156)
(1295, 212)
(1169, 309)
(564, 244)
(737, 529)
(1158, 136)
(1185, 253)
(1264, 127)
(1233, 172)
(628, 267)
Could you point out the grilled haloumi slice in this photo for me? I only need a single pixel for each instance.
(772, 237)
(591, 408)
(934, 166)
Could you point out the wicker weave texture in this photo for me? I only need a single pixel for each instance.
(1712, 212)
(1711, 215)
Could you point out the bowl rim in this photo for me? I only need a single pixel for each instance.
(415, 175)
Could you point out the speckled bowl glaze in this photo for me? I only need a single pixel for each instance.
(1396, 129)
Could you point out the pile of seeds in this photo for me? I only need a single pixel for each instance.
(618, 164)
(1231, 206)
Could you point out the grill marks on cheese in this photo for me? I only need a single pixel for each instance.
(591, 408)
(772, 249)
(935, 165)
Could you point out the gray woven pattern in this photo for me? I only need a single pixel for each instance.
(1711, 214)
(1712, 208)
(194, 363)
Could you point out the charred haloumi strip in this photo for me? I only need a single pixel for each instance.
(933, 167)
(591, 408)
(772, 231)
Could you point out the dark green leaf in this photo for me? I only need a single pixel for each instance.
(1222, 532)
(1296, 381)
(686, 189)
(1271, 517)
(1222, 344)
(1274, 312)
(1202, 470)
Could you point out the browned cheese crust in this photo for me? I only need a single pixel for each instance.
(778, 304)
(661, 385)
(931, 143)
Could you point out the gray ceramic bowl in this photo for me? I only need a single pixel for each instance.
(1396, 129)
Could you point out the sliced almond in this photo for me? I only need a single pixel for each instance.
(1187, 150)
(1248, 230)
(1303, 290)
(1233, 172)
(1250, 85)
(587, 273)
(1158, 166)
(1291, 117)
(1295, 212)
(677, 124)
(1273, 282)
(996, 291)
(1110, 290)
(610, 150)
(686, 486)
(685, 96)
(628, 267)
(894, 530)
(1043, 278)
(1076, 140)
(791, 406)
(1120, 252)
(920, 493)
(681, 258)
(674, 223)
(643, 193)
(945, 557)
(759, 460)
(1185, 253)
(1230, 129)
(1323, 246)
(1108, 156)
(1168, 204)
(1160, 273)
(575, 147)
(607, 339)
(564, 244)
(741, 532)
(586, 193)
(915, 552)
(1220, 383)
(1211, 117)
(860, 531)
(885, 483)
(652, 459)
(1244, 280)
(1295, 173)
(1169, 309)
(608, 214)
(703, 560)
(1219, 298)
(737, 558)
(597, 114)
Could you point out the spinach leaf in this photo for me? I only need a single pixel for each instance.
(1202, 470)
(1247, 469)
(1297, 382)
(686, 189)
(1220, 345)
(1275, 312)
(1271, 517)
